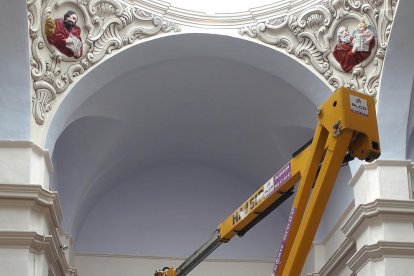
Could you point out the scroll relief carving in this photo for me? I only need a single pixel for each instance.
(343, 40)
(69, 36)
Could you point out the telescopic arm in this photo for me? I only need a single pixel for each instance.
(347, 128)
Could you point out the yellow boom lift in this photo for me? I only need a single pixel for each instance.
(347, 128)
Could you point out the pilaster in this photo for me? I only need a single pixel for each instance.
(381, 224)
(30, 214)
(23, 162)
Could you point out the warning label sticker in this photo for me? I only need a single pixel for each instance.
(359, 105)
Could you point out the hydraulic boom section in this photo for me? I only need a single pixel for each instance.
(347, 128)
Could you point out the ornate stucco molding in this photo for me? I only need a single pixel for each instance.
(311, 35)
(39, 235)
(380, 251)
(227, 20)
(34, 196)
(104, 26)
(306, 30)
(39, 244)
(381, 209)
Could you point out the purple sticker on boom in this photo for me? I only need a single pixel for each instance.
(277, 180)
(283, 244)
(282, 176)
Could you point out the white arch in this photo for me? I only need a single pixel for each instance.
(184, 46)
(396, 86)
(292, 80)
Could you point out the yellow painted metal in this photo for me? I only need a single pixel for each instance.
(336, 111)
(346, 123)
(316, 151)
(339, 109)
(337, 148)
(169, 272)
(345, 128)
(258, 202)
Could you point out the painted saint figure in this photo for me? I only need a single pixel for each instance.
(353, 49)
(64, 34)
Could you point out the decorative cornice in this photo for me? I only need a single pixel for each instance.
(379, 207)
(34, 193)
(378, 163)
(310, 35)
(39, 244)
(29, 144)
(379, 251)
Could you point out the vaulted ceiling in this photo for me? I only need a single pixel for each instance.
(159, 144)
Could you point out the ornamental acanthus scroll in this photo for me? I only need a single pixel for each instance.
(319, 35)
(70, 36)
(314, 37)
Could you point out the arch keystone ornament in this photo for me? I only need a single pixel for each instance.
(70, 36)
(316, 37)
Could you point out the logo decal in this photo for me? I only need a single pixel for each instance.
(359, 105)
(283, 244)
(278, 180)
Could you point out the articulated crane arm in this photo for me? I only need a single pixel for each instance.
(347, 128)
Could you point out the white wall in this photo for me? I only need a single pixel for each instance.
(395, 118)
(15, 95)
(101, 265)
(138, 216)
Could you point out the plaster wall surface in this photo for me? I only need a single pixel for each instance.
(395, 116)
(15, 125)
(90, 265)
(14, 261)
(15, 96)
(173, 210)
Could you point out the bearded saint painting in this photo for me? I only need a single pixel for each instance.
(353, 49)
(64, 34)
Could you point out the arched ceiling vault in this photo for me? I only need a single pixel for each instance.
(395, 110)
(192, 105)
(196, 105)
(303, 30)
(186, 46)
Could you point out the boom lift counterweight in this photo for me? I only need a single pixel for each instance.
(347, 128)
